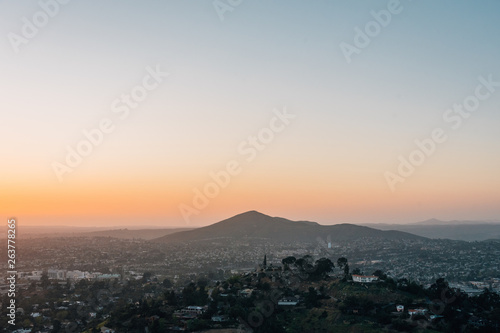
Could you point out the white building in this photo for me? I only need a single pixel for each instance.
(193, 309)
(418, 311)
(75, 275)
(35, 276)
(365, 278)
(108, 276)
(288, 301)
(56, 274)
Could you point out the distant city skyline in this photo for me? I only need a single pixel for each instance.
(181, 114)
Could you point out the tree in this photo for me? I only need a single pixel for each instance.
(56, 326)
(44, 280)
(146, 276)
(311, 299)
(197, 324)
(171, 298)
(189, 294)
(378, 273)
(322, 267)
(202, 283)
(288, 260)
(265, 286)
(437, 289)
(324, 315)
(346, 271)
(26, 323)
(343, 264)
(167, 283)
(305, 264)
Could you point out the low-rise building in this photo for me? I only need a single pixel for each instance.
(365, 278)
(419, 311)
(288, 301)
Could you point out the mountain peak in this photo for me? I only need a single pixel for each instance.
(252, 213)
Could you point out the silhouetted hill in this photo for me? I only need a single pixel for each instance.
(253, 224)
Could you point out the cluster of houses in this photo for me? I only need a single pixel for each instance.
(61, 274)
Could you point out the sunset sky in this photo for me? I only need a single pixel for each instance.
(236, 72)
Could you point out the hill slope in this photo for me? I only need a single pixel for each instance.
(253, 224)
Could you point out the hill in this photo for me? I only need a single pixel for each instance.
(253, 224)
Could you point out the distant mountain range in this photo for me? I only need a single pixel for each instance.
(453, 222)
(50, 232)
(457, 230)
(146, 234)
(256, 225)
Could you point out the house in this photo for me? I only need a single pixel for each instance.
(194, 309)
(56, 274)
(245, 292)
(108, 276)
(419, 311)
(288, 301)
(400, 308)
(105, 329)
(219, 318)
(75, 275)
(35, 276)
(190, 312)
(365, 278)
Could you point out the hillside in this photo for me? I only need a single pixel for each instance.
(253, 224)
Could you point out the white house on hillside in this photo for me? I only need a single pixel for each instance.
(365, 278)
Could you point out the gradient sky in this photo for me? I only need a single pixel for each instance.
(225, 79)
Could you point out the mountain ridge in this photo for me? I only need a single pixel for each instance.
(253, 224)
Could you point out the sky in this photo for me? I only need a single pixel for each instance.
(184, 113)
